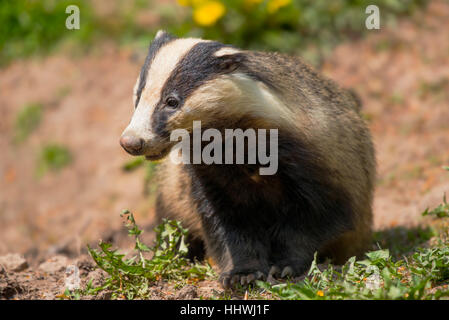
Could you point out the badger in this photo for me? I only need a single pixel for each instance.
(256, 226)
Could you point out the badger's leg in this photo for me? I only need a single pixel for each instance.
(242, 262)
(241, 254)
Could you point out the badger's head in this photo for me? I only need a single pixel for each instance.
(183, 80)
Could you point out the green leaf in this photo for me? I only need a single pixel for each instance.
(383, 254)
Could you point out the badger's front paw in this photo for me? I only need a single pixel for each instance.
(231, 278)
(286, 270)
(276, 272)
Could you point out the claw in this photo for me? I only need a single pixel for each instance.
(274, 271)
(271, 279)
(226, 282)
(260, 275)
(229, 281)
(287, 272)
(235, 279)
(250, 278)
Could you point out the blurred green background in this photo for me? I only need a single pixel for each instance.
(312, 27)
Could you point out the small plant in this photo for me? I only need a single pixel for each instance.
(441, 211)
(378, 277)
(53, 157)
(28, 119)
(133, 164)
(432, 263)
(132, 277)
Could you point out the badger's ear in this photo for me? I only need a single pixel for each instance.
(230, 62)
(229, 58)
(159, 33)
(162, 34)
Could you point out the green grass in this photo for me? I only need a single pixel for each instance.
(133, 164)
(377, 277)
(131, 277)
(27, 120)
(309, 27)
(53, 157)
(32, 27)
(36, 27)
(441, 211)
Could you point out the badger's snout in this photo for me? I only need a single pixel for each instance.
(132, 144)
(152, 147)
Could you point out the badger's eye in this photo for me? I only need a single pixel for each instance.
(172, 102)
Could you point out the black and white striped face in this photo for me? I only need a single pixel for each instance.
(182, 80)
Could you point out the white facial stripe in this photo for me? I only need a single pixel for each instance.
(140, 124)
(162, 66)
(135, 91)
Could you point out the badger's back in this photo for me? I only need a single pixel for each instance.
(329, 119)
(297, 83)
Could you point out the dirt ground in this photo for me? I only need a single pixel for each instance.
(401, 74)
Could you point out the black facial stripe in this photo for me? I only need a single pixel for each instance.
(155, 46)
(195, 68)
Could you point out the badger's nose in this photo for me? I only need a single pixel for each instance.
(132, 144)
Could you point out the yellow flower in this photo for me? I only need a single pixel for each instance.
(275, 5)
(208, 13)
(320, 293)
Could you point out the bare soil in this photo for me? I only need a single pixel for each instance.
(401, 73)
